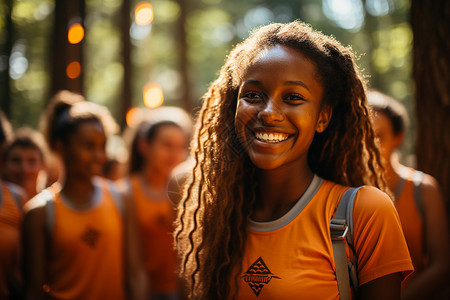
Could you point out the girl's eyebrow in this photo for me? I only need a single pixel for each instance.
(300, 83)
(252, 81)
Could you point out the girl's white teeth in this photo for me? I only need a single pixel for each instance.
(271, 137)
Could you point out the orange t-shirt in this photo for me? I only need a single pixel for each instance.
(10, 222)
(155, 221)
(412, 225)
(292, 257)
(86, 249)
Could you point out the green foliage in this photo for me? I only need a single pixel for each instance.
(28, 59)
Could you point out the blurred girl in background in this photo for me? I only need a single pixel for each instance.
(419, 203)
(24, 161)
(155, 151)
(78, 238)
(12, 198)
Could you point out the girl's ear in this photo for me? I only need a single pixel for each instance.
(324, 118)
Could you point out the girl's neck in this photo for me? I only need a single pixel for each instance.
(155, 181)
(78, 191)
(393, 169)
(279, 190)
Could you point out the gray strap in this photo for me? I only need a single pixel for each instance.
(417, 180)
(341, 227)
(16, 194)
(117, 197)
(49, 214)
(400, 186)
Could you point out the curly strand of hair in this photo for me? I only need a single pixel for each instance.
(187, 192)
(203, 197)
(199, 217)
(233, 237)
(197, 230)
(186, 212)
(221, 233)
(375, 161)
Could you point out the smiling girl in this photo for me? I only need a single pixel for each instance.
(282, 134)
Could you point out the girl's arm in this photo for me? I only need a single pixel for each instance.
(34, 250)
(386, 288)
(383, 257)
(135, 276)
(437, 244)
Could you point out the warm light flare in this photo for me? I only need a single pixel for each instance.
(153, 95)
(73, 70)
(132, 116)
(75, 33)
(143, 13)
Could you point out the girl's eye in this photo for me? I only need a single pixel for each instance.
(294, 98)
(252, 97)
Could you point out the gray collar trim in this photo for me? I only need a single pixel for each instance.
(95, 201)
(292, 213)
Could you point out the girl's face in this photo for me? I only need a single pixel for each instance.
(85, 154)
(384, 131)
(22, 166)
(279, 108)
(166, 150)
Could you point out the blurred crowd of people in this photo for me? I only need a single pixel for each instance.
(78, 223)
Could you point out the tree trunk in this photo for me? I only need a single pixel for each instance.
(431, 71)
(4, 76)
(126, 51)
(66, 13)
(186, 91)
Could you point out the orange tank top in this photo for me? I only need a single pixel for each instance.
(10, 221)
(155, 221)
(412, 225)
(292, 257)
(86, 249)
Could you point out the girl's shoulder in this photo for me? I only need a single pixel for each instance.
(367, 197)
(39, 201)
(371, 198)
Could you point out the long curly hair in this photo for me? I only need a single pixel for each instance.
(219, 195)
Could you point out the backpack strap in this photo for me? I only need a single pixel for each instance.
(399, 189)
(117, 197)
(15, 192)
(341, 229)
(417, 179)
(49, 197)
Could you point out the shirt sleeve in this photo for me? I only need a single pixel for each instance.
(378, 237)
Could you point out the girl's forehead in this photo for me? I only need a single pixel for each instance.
(89, 126)
(277, 55)
(281, 58)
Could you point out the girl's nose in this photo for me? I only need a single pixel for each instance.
(271, 113)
